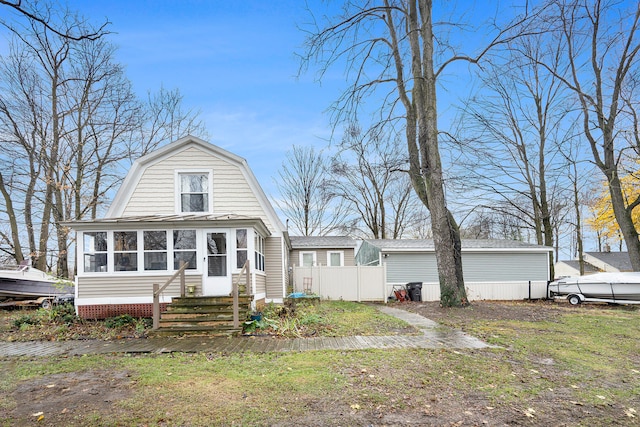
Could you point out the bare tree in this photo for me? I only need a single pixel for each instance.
(391, 50)
(601, 44)
(515, 130)
(40, 13)
(69, 122)
(304, 198)
(367, 175)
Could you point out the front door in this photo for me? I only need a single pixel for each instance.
(217, 275)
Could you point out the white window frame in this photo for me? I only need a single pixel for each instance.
(112, 262)
(110, 267)
(178, 189)
(172, 250)
(313, 253)
(86, 251)
(341, 253)
(142, 251)
(259, 252)
(236, 249)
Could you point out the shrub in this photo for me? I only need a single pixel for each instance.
(65, 313)
(26, 320)
(119, 321)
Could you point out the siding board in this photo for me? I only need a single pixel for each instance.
(500, 267)
(274, 268)
(477, 267)
(321, 255)
(411, 267)
(231, 191)
(132, 286)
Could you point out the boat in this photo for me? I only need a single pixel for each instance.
(23, 281)
(617, 288)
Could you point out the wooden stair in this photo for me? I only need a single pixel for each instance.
(203, 315)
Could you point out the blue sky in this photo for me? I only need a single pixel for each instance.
(234, 61)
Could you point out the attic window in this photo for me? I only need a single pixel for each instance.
(194, 192)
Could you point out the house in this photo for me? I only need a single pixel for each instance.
(595, 262)
(493, 269)
(609, 261)
(333, 251)
(325, 266)
(569, 268)
(188, 201)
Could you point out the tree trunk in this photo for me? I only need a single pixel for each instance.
(576, 205)
(625, 222)
(446, 234)
(13, 222)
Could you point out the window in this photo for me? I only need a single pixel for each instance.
(241, 247)
(155, 250)
(259, 250)
(307, 259)
(95, 251)
(194, 192)
(125, 250)
(335, 258)
(217, 254)
(184, 249)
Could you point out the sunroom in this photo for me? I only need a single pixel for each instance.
(119, 259)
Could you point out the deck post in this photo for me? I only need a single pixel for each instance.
(236, 314)
(249, 285)
(156, 306)
(182, 279)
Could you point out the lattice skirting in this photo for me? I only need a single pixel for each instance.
(104, 311)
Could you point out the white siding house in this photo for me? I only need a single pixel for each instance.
(493, 269)
(332, 251)
(188, 201)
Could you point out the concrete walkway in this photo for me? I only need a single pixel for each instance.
(433, 336)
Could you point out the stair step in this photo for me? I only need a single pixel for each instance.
(205, 309)
(204, 316)
(187, 323)
(196, 330)
(191, 301)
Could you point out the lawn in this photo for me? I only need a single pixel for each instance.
(557, 365)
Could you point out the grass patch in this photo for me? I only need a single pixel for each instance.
(328, 319)
(580, 368)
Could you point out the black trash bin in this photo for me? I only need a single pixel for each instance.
(415, 291)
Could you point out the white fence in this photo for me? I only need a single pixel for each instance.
(357, 283)
(512, 291)
(368, 283)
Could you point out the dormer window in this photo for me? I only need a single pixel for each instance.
(194, 192)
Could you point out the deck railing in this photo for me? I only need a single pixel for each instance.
(157, 290)
(234, 291)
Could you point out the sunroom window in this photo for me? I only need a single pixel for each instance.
(184, 249)
(241, 247)
(194, 192)
(259, 251)
(155, 250)
(95, 251)
(125, 250)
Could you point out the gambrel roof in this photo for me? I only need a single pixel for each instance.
(138, 168)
